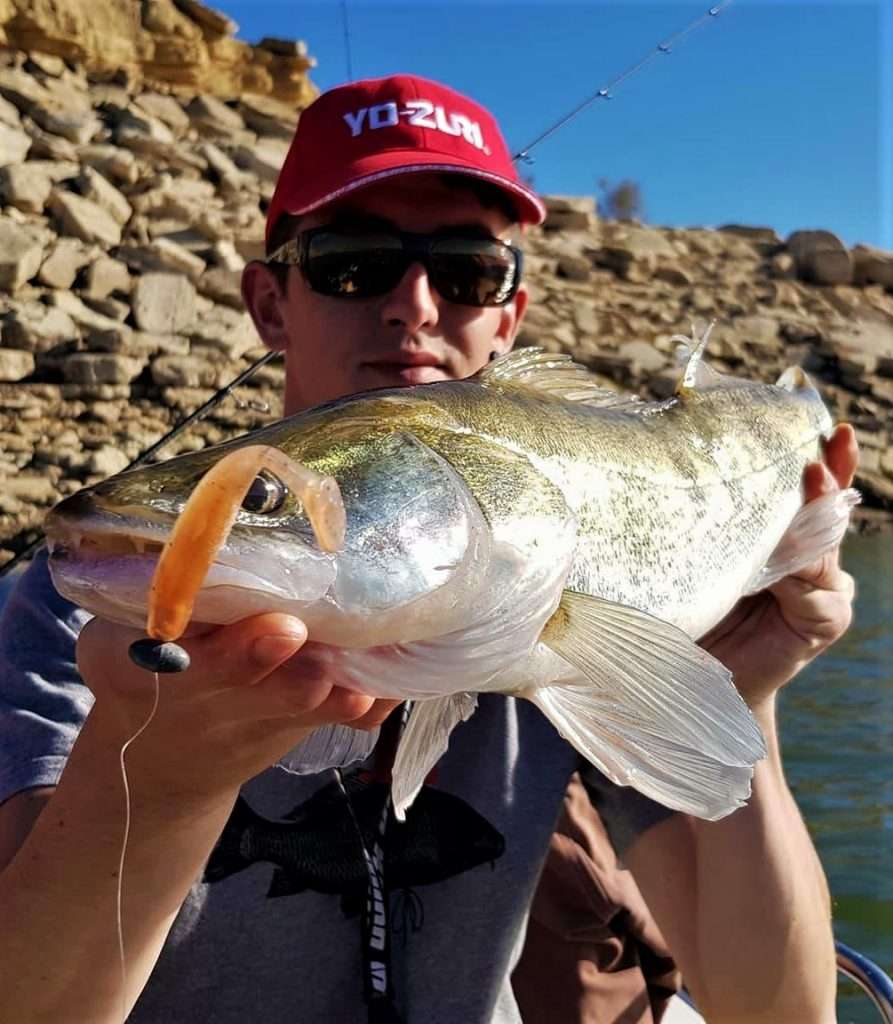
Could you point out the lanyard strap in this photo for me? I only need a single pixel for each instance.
(376, 933)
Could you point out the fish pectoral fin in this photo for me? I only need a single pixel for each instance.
(817, 528)
(331, 746)
(423, 742)
(655, 711)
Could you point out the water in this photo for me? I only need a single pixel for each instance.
(837, 737)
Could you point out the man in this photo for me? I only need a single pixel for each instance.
(742, 901)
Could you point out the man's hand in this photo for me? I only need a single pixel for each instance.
(769, 637)
(249, 696)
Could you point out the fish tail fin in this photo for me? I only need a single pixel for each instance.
(817, 528)
(423, 742)
(653, 711)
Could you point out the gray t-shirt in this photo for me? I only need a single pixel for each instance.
(276, 937)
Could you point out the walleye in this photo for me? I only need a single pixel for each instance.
(525, 532)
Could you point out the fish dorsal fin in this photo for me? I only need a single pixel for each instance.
(696, 373)
(553, 372)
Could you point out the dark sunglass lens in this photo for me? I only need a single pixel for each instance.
(474, 272)
(354, 266)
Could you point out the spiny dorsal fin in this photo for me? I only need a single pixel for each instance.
(555, 373)
(696, 373)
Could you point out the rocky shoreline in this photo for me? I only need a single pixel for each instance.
(130, 201)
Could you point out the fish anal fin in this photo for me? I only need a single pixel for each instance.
(330, 746)
(425, 739)
(817, 528)
(655, 711)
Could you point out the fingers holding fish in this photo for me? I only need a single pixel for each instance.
(247, 698)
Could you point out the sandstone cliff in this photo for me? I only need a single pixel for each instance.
(129, 203)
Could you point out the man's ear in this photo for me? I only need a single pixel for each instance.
(512, 315)
(264, 296)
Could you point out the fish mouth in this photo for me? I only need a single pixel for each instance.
(106, 562)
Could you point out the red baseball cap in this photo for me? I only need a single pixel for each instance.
(360, 133)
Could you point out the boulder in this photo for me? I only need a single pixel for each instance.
(101, 368)
(163, 303)
(21, 253)
(820, 257)
(83, 218)
(14, 145)
(15, 364)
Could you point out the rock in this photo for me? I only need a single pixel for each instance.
(186, 372)
(37, 328)
(820, 257)
(264, 159)
(644, 358)
(112, 162)
(83, 218)
(23, 187)
(36, 490)
(143, 133)
(208, 112)
(569, 213)
(15, 364)
(268, 116)
(165, 109)
(574, 268)
(223, 331)
(64, 259)
(21, 254)
(165, 255)
(212, 22)
(106, 275)
(100, 368)
(14, 145)
(82, 315)
(222, 286)
(100, 190)
(872, 266)
(107, 461)
(163, 303)
(59, 118)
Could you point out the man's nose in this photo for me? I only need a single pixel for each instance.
(412, 303)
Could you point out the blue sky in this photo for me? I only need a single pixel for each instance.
(773, 113)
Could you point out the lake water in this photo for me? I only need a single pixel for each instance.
(837, 737)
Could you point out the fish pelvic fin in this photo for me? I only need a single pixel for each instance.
(653, 711)
(423, 742)
(330, 746)
(696, 373)
(817, 528)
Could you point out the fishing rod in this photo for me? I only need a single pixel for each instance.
(144, 456)
(605, 92)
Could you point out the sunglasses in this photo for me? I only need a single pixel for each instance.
(466, 270)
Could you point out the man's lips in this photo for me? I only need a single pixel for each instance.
(410, 367)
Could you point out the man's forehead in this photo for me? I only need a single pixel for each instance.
(414, 202)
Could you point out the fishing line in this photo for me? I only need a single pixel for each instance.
(119, 890)
(604, 93)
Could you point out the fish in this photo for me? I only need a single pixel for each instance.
(524, 531)
(316, 846)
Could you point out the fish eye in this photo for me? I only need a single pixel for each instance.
(266, 494)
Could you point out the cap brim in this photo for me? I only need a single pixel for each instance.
(382, 166)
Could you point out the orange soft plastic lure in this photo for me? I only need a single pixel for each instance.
(204, 524)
